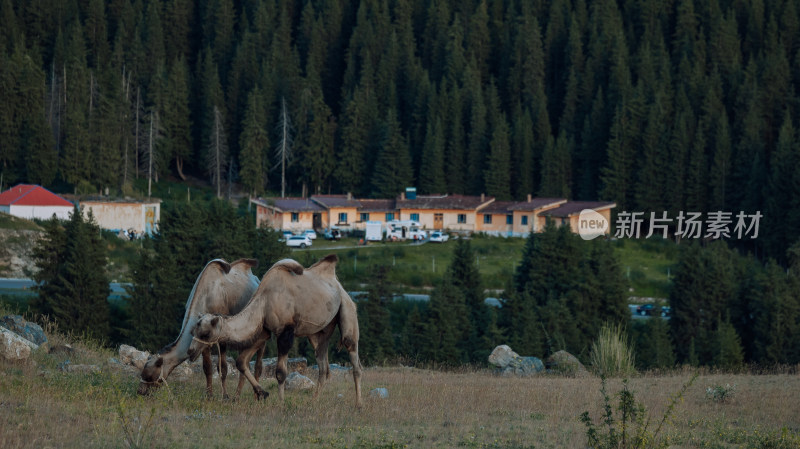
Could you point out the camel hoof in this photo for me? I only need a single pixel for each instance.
(261, 394)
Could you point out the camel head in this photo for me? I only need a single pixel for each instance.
(205, 333)
(152, 375)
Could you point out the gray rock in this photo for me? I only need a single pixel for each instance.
(117, 366)
(298, 364)
(68, 367)
(380, 393)
(297, 381)
(562, 362)
(337, 372)
(132, 356)
(13, 347)
(63, 350)
(502, 356)
(523, 366)
(25, 329)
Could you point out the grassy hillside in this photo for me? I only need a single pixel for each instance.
(646, 264)
(45, 407)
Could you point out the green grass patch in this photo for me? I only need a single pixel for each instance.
(17, 224)
(416, 268)
(647, 265)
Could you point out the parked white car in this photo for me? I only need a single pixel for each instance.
(310, 234)
(298, 241)
(439, 236)
(285, 235)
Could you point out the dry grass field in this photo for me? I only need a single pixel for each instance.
(42, 407)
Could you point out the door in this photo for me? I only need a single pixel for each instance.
(149, 219)
(317, 221)
(438, 221)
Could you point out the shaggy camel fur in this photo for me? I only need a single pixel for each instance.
(221, 288)
(291, 302)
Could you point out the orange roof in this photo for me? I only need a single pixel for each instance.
(31, 195)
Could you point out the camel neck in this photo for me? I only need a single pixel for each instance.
(242, 327)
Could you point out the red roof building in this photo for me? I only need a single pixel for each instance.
(33, 201)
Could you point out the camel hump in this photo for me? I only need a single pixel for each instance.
(223, 266)
(326, 265)
(249, 263)
(289, 265)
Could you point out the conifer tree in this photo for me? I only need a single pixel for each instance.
(431, 172)
(393, 166)
(498, 171)
(378, 342)
(75, 291)
(728, 346)
(217, 152)
(254, 144)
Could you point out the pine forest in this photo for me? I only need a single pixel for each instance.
(657, 105)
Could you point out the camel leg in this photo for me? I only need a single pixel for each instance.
(243, 365)
(352, 349)
(320, 342)
(208, 370)
(223, 367)
(285, 341)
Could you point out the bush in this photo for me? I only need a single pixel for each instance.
(611, 355)
(631, 428)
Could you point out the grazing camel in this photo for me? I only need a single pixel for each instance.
(221, 288)
(291, 302)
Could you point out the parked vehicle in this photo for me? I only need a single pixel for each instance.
(666, 311)
(333, 234)
(405, 229)
(298, 241)
(374, 231)
(310, 234)
(439, 237)
(645, 309)
(285, 235)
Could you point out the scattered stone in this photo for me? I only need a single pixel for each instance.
(502, 356)
(563, 362)
(80, 369)
(337, 372)
(132, 356)
(297, 381)
(512, 364)
(25, 329)
(523, 366)
(182, 372)
(118, 366)
(62, 350)
(13, 347)
(298, 364)
(380, 393)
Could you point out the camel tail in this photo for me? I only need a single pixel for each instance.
(250, 263)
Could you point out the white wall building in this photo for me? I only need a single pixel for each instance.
(32, 201)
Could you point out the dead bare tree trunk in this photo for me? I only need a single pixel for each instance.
(284, 148)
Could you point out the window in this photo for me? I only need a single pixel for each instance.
(342, 217)
(487, 219)
(364, 217)
(389, 216)
(509, 219)
(462, 218)
(295, 217)
(524, 220)
(415, 217)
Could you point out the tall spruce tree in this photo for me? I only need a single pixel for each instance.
(75, 291)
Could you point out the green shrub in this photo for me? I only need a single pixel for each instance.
(630, 428)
